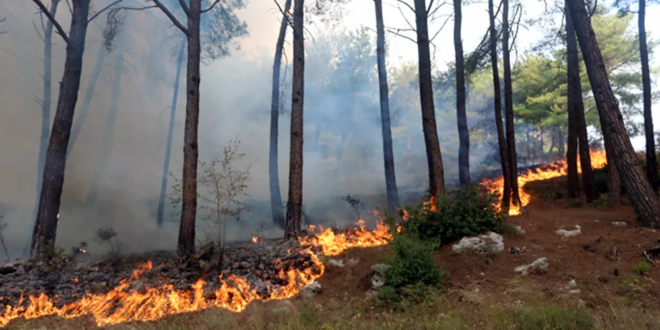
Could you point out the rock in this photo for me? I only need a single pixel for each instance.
(540, 265)
(572, 283)
(518, 303)
(576, 291)
(377, 281)
(310, 291)
(516, 250)
(620, 223)
(336, 263)
(569, 233)
(519, 230)
(279, 309)
(352, 262)
(488, 243)
(380, 269)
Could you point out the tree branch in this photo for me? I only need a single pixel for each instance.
(184, 7)
(209, 8)
(401, 35)
(169, 14)
(102, 10)
(407, 5)
(52, 19)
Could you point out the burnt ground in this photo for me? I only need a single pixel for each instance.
(477, 281)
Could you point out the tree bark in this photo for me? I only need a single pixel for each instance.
(508, 105)
(106, 146)
(388, 153)
(497, 95)
(461, 116)
(642, 197)
(273, 168)
(433, 153)
(45, 109)
(613, 178)
(170, 133)
(651, 159)
(89, 94)
(577, 129)
(186, 244)
(45, 228)
(295, 200)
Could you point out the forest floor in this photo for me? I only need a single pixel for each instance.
(484, 291)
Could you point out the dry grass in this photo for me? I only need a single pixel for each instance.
(472, 307)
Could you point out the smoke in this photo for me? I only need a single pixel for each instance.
(341, 104)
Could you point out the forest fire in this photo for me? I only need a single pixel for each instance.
(333, 244)
(556, 169)
(124, 304)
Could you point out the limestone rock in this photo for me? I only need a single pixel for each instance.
(311, 290)
(569, 233)
(540, 265)
(490, 242)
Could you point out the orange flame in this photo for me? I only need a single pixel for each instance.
(556, 169)
(255, 239)
(334, 244)
(123, 304)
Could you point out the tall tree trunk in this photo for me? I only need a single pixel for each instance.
(461, 116)
(651, 160)
(160, 217)
(45, 109)
(508, 105)
(577, 128)
(295, 200)
(613, 176)
(642, 197)
(433, 153)
(497, 95)
(186, 244)
(388, 153)
(273, 169)
(89, 94)
(106, 146)
(45, 228)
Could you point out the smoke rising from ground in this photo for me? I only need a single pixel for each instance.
(235, 102)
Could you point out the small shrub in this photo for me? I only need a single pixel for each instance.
(467, 212)
(52, 256)
(642, 268)
(107, 235)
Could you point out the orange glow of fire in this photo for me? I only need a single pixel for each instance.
(556, 169)
(334, 244)
(123, 304)
(255, 239)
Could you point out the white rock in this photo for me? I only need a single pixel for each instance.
(539, 265)
(336, 263)
(352, 262)
(490, 242)
(572, 284)
(279, 309)
(576, 291)
(311, 290)
(620, 223)
(519, 230)
(569, 233)
(377, 281)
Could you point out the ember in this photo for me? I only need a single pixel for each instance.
(556, 169)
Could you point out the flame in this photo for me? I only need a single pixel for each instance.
(556, 169)
(255, 239)
(333, 244)
(123, 304)
(82, 250)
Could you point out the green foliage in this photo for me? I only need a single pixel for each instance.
(467, 212)
(52, 256)
(642, 268)
(413, 263)
(552, 317)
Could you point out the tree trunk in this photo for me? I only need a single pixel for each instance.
(89, 94)
(642, 197)
(497, 95)
(577, 129)
(433, 153)
(106, 147)
(45, 109)
(295, 200)
(651, 160)
(170, 133)
(613, 179)
(273, 169)
(508, 105)
(45, 228)
(388, 153)
(186, 244)
(461, 116)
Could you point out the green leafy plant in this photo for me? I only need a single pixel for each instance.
(642, 268)
(52, 256)
(467, 212)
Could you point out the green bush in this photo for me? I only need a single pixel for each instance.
(467, 212)
(642, 268)
(413, 263)
(552, 317)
